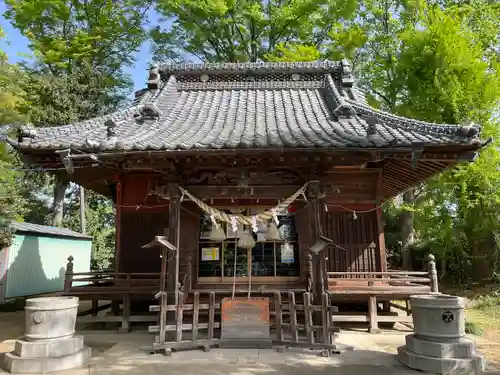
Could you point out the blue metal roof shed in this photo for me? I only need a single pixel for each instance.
(36, 260)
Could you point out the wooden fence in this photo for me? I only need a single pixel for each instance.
(198, 324)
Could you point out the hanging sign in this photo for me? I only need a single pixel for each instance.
(287, 253)
(209, 254)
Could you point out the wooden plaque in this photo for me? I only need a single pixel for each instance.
(245, 318)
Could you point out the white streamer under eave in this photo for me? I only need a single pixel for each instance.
(243, 219)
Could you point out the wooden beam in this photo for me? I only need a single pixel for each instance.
(254, 191)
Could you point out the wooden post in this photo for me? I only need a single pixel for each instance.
(163, 296)
(309, 272)
(83, 222)
(196, 313)
(95, 307)
(189, 281)
(326, 321)
(68, 276)
(293, 317)
(308, 318)
(372, 314)
(318, 261)
(381, 241)
(279, 316)
(118, 225)
(174, 211)
(126, 313)
(178, 328)
(433, 274)
(211, 316)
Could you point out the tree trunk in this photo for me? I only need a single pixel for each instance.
(60, 187)
(407, 229)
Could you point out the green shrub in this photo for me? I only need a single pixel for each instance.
(473, 329)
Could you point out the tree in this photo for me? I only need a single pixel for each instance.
(11, 203)
(100, 215)
(243, 30)
(435, 61)
(80, 50)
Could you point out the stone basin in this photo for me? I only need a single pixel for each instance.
(49, 318)
(438, 317)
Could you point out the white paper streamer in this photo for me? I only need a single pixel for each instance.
(275, 216)
(214, 222)
(255, 228)
(234, 224)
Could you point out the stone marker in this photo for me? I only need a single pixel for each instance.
(50, 343)
(439, 344)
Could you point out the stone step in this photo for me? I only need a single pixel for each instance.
(463, 366)
(15, 364)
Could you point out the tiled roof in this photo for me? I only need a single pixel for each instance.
(47, 230)
(248, 105)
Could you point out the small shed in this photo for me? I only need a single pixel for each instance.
(36, 260)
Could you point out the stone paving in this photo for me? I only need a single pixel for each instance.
(118, 354)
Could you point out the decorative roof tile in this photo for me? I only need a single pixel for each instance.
(247, 105)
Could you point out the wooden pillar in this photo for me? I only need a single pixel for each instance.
(372, 315)
(381, 241)
(118, 221)
(318, 260)
(174, 217)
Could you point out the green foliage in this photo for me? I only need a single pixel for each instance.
(11, 203)
(100, 217)
(66, 34)
(243, 30)
(473, 329)
(80, 50)
(435, 61)
(293, 52)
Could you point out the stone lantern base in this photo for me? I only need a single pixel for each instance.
(458, 357)
(47, 355)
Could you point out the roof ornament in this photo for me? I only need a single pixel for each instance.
(468, 131)
(149, 111)
(154, 79)
(372, 122)
(346, 69)
(26, 133)
(344, 110)
(111, 129)
(65, 156)
(91, 143)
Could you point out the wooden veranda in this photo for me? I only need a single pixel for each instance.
(118, 291)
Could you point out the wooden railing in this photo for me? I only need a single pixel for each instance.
(397, 282)
(109, 282)
(117, 287)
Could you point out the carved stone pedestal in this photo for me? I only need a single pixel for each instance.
(439, 344)
(49, 343)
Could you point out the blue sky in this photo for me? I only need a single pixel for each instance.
(16, 47)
